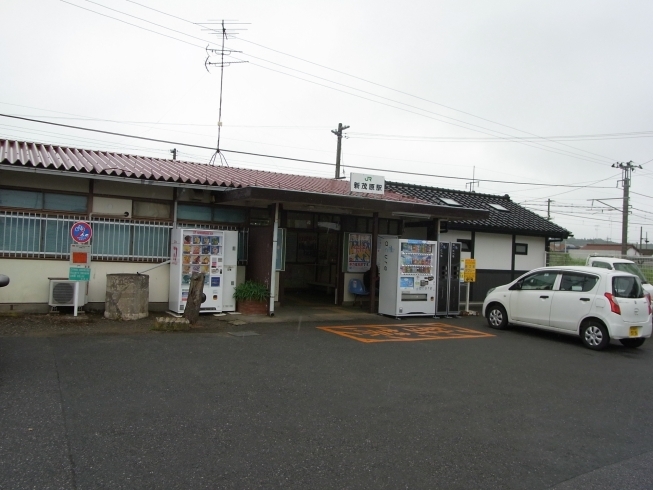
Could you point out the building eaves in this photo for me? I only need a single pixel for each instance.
(74, 161)
(515, 220)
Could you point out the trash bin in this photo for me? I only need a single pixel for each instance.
(127, 296)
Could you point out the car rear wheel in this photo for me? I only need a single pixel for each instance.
(594, 335)
(632, 343)
(496, 316)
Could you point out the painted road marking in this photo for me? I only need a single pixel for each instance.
(405, 333)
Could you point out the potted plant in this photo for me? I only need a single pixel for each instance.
(252, 298)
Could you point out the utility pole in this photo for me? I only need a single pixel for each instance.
(174, 153)
(627, 170)
(548, 209)
(338, 133)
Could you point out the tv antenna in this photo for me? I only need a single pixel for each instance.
(225, 32)
(474, 182)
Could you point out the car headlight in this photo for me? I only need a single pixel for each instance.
(489, 291)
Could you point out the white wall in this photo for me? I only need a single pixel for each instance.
(535, 257)
(30, 284)
(493, 251)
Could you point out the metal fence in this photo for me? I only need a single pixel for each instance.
(561, 258)
(38, 235)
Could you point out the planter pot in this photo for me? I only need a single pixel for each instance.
(252, 307)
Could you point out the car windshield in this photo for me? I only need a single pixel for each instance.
(627, 287)
(631, 268)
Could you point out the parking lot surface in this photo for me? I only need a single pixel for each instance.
(299, 407)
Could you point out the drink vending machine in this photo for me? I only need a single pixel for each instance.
(212, 252)
(448, 290)
(407, 277)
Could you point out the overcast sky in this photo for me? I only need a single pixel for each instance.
(442, 88)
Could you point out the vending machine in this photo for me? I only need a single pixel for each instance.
(212, 252)
(407, 277)
(448, 290)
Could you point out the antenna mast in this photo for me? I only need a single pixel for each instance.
(224, 34)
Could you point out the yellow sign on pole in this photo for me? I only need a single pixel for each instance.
(470, 270)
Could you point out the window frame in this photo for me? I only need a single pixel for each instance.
(42, 193)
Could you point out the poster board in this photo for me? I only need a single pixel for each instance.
(358, 252)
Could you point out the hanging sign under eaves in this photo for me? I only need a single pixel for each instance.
(366, 183)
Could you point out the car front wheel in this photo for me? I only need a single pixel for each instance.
(496, 316)
(632, 343)
(594, 335)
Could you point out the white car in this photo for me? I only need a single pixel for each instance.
(623, 265)
(595, 304)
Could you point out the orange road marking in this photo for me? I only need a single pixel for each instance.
(405, 333)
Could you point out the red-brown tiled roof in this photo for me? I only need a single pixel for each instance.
(59, 158)
(603, 246)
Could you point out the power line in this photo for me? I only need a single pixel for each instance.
(599, 219)
(168, 142)
(463, 139)
(545, 148)
(135, 123)
(134, 25)
(507, 137)
(542, 147)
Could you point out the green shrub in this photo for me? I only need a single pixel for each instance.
(251, 290)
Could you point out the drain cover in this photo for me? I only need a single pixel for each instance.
(243, 334)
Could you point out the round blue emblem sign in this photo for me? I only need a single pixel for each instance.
(81, 232)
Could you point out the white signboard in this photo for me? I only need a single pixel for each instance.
(366, 183)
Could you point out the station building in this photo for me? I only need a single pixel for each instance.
(293, 229)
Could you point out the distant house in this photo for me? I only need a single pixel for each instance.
(562, 247)
(608, 249)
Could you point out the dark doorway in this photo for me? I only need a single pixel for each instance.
(311, 266)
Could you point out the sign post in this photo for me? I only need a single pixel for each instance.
(80, 256)
(470, 276)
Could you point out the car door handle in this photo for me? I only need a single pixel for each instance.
(584, 299)
(544, 297)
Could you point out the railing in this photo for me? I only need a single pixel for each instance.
(38, 235)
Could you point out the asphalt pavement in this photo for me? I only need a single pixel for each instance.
(300, 407)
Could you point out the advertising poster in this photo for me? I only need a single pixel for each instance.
(359, 252)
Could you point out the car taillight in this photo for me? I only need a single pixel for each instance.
(648, 300)
(614, 306)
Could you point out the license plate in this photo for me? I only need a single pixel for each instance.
(634, 331)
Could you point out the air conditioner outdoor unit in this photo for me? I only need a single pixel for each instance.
(62, 293)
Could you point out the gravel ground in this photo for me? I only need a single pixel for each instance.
(52, 325)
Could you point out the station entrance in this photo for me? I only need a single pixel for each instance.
(317, 256)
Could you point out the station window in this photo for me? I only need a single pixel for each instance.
(465, 245)
(192, 212)
(156, 210)
(300, 220)
(51, 201)
(521, 249)
(259, 217)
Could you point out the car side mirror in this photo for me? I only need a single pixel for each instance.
(516, 286)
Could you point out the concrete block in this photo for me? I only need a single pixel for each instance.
(127, 296)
